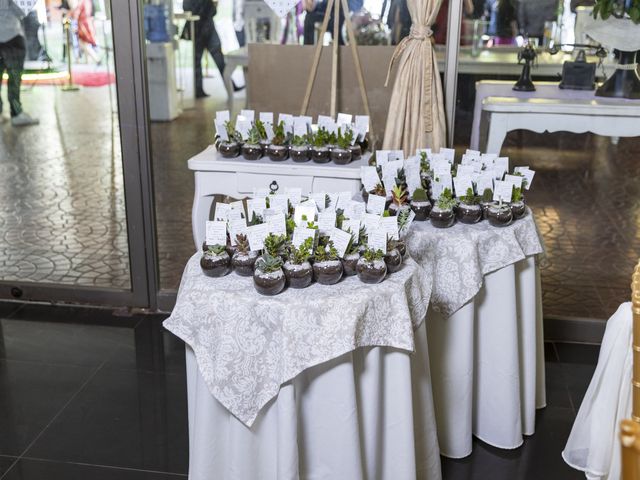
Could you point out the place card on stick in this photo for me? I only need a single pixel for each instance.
(326, 222)
(249, 115)
(266, 117)
(502, 191)
(279, 202)
(371, 222)
(277, 224)
(236, 227)
(222, 211)
(382, 157)
(462, 184)
(304, 214)
(484, 181)
(369, 177)
(257, 206)
(390, 225)
(223, 116)
(300, 235)
(294, 194)
(528, 175)
(352, 225)
(221, 130)
(376, 204)
(216, 232)
(340, 240)
(377, 240)
(354, 210)
(515, 180)
(256, 235)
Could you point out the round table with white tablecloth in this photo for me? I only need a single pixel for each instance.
(485, 331)
(327, 382)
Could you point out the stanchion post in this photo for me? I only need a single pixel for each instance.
(69, 87)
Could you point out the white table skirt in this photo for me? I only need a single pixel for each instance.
(487, 361)
(365, 415)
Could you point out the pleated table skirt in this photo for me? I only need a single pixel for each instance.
(365, 415)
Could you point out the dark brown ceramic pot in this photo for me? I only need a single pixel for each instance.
(264, 144)
(349, 264)
(298, 276)
(500, 216)
(299, 153)
(469, 213)
(442, 218)
(243, 263)
(356, 152)
(215, 265)
(341, 156)
(271, 283)
(421, 209)
(518, 209)
(371, 272)
(327, 273)
(393, 259)
(277, 153)
(251, 152)
(320, 154)
(229, 149)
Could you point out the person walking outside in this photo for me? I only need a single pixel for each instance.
(12, 55)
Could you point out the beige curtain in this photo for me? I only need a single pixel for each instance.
(416, 110)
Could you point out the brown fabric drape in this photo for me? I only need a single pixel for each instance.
(416, 110)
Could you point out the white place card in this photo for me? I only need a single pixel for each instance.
(354, 210)
(411, 163)
(392, 168)
(405, 228)
(502, 162)
(286, 118)
(249, 115)
(332, 202)
(343, 200)
(473, 153)
(413, 181)
(449, 154)
(515, 180)
(497, 172)
(484, 182)
(376, 204)
(223, 116)
(279, 202)
(377, 240)
(488, 158)
(440, 167)
(462, 184)
(266, 117)
(294, 194)
(300, 127)
(261, 192)
(216, 233)
(362, 123)
(396, 155)
(268, 130)
(243, 127)
(300, 235)
(371, 222)
(465, 170)
(390, 225)
(304, 214)
(340, 240)
(437, 189)
(369, 177)
(389, 182)
(382, 157)
(256, 205)
(344, 118)
(256, 235)
(276, 224)
(221, 131)
(502, 191)
(353, 227)
(236, 227)
(326, 222)
(324, 121)
(320, 199)
(237, 209)
(528, 174)
(446, 180)
(221, 212)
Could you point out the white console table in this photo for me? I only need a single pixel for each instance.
(237, 178)
(500, 110)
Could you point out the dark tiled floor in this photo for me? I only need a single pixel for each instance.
(88, 395)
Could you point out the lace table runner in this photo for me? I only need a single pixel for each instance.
(247, 345)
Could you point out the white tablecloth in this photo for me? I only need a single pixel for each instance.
(367, 414)
(485, 331)
(594, 445)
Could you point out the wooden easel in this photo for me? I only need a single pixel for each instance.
(335, 5)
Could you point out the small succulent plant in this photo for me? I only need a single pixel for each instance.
(262, 131)
(254, 136)
(399, 195)
(446, 200)
(299, 140)
(279, 135)
(403, 218)
(255, 219)
(232, 133)
(320, 138)
(345, 140)
(487, 195)
(268, 263)
(326, 252)
(401, 178)
(299, 255)
(516, 196)
(216, 249)
(370, 255)
(379, 190)
(275, 245)
(469, 198)
(420, 195)
(425, 166)
(352, 247)
(242, 243)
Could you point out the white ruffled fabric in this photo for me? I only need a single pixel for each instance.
(593, 446)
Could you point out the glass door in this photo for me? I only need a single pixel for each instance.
(72, 227)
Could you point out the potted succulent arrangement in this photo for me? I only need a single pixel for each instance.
(393, 257)
(299, 149)
(341, 153)
(244, 259)
(378, 190)
(500, 214)
(327, 267)
(518, 207)
(231, 147)
(399, 200)
(268, 277)
(442, 214)
(278, 150)
(297, 269)
(425, 173)
(332, 141)
(215, 261)
(319, 151)
(252, 150)
(371, 267)
(420, 204)
(350, 259)
(264, 142)
(356, 148)
(469, 209)
(486, 201)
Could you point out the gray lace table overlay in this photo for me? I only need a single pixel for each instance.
(247, 345)
(457, 258)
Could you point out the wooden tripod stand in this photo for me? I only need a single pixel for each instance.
(335, 6)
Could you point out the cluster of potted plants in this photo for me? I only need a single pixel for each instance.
(281, 263)
(317, 145)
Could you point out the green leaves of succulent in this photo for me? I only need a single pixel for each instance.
(268, 263)
(275, 245)
(446, 200)
(469, 198)
(299, 255)
(299, 140)
(279, 136)
(345, 140)
(487, 195)
(370, 255)
(259, 124)
(516, 196)
(420, 195)
(254, 136)
(320, 138)
(326, 252)
(216, 249)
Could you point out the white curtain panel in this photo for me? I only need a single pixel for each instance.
(365, 415)
(487, 361)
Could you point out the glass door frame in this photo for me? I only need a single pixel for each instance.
(128, 46)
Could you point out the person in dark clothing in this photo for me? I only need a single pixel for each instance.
(502, 21)
(532, 14)
(206, 38)
(315, 13)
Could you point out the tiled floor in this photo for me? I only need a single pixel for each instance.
(62, 215)
(85, 395)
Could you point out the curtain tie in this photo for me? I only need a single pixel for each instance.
(417, 32)
(420, 32)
